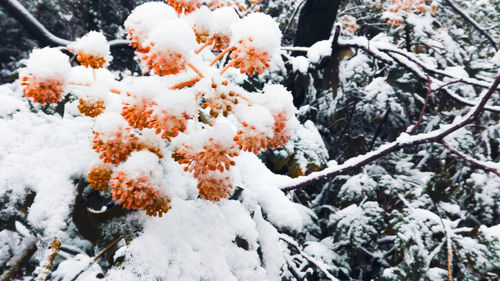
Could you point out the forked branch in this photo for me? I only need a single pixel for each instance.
(404, 140)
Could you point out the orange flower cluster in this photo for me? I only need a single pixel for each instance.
(138, 113)
(90, 60)
(114, 149)
(202, 34)
(168, 125)
(248, 59)
(161, 205)
(99, 176)
(409, 6)
(132, 193)
(164, 63)
(220, 101)
(43, 91)
(281, 136)
(91, 108)
(214, 187)
(205, 164)
(135, 42)
(220, 42)
(184, 6)
(249, 139)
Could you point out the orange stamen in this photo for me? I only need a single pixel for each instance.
(222, 54)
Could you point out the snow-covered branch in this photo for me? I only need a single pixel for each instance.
(488, 166)
(474, 23)
(404, 140)
(36, 29)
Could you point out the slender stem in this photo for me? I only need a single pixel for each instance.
(209, 42)
(222, 54)
(195, 70)
(115, 91)
(93, 74)
(231, 63)
(187, 83)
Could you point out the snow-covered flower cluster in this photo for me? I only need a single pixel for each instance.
(400, 9)
(185, 107)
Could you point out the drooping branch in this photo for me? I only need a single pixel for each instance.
(36, 29)
(474, 23)
(404, 140)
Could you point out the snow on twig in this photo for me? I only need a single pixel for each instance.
(488, 166)
(474, 23)
(319, 264)
(404, 140)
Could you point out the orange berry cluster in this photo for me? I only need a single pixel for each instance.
(220, 42)
(90, 61)
(248, 59)
(99, 176)
(115, 148)
(46, 91)
(91, 108)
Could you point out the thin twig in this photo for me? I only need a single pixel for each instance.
(474, 23)
(481, 164)
(292, 18)
(96, 257)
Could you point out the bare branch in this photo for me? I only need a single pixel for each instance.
(404, 140)
(429, 92)
(474, 23)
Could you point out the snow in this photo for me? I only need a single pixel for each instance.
(46, 167)
(195, 241)
(319, 50)
(300, 63)
(146, 16)
(173, 35)
(176, 102)
(48, 63)
(222, 20)
(263, 31)
(140, 164)
(94, 44)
